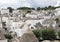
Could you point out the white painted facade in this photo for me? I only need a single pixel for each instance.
(16, 11)
(31, 15)
(4, 11)
(57, 13)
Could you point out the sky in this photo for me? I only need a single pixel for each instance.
(28, 3)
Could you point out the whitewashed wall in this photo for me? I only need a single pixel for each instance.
(3, 40)
(4, 11)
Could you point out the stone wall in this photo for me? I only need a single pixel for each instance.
(28, 37)
(51, 41)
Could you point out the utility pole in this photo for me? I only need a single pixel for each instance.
(1, 19)
(1, 16)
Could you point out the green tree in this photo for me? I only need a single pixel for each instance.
(45, 8)
(28, 11)
(38, 8)
(57, 20)
(10, 9)
(9, 37)
(25, 8)
(51, 7)
(48, 34)
(4, 25)
(33, 8)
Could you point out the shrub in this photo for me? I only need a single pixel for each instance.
(8, 36)
(23, 15)
(58, 34)
(28, 11)
(37, 33)
(48, 34)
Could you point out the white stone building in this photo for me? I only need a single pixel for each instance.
(57, 11)
(4, 11)
(31, 15)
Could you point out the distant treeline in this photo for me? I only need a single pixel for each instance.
(25, 8)
(38, 8)
(48, 8)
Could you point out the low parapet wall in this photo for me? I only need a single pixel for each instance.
(3, 40)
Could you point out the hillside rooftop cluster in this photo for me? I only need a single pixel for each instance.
(17, 22)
